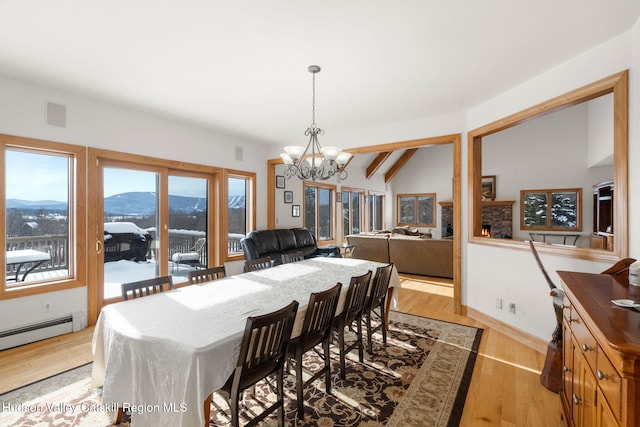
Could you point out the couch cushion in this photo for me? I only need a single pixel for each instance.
(426, 257)
(371, 247)
(286, 239)
(265, 241)
(304, 237)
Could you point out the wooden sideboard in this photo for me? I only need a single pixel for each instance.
(601, 351)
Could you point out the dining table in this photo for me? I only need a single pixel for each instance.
(161, 357)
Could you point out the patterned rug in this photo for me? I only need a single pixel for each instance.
(419, 379)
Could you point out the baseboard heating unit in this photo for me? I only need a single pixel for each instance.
(39, 331)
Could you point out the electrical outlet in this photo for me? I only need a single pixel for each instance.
(512, 307)
(499, 303)
(46, 307)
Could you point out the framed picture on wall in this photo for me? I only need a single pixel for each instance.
(279, 181)
(489, 187)
(339, 197)
(288, 196)
(295, 210)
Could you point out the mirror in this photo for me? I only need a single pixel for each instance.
(552, 164)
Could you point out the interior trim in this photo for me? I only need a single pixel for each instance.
(618, 84)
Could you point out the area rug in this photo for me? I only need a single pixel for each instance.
(420, 378)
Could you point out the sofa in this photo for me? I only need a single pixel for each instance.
(410, 254)
(274, 243)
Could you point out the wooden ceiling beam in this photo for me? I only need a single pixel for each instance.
(377, 162)
(399, 164)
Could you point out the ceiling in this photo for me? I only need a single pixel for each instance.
(241, 66)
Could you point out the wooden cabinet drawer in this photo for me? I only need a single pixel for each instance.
(584, 340)
(610, 383)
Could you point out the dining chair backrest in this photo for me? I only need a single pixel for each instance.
(292, 257)
(207, 274)
(319, 317)
(258, 264)
(379, 286)
(264, 344)
(146, 287)
(356, 297)
(263, 352)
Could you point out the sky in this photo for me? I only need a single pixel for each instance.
(34, 177)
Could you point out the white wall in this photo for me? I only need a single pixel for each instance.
(95, 124)
(600, 131)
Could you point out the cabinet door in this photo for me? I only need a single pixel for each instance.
(605, 414)
(584, 392)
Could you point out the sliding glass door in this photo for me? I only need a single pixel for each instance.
(131, 220)
(149, 217)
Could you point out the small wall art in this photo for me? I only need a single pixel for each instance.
(489, 187)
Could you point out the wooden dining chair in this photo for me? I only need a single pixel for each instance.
(258, 264)
(352, 312)
(146, 287)
(207, 274)
(375, 306)
(316, 330)
(262, 354)
(292, 257)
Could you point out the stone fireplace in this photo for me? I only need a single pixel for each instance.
(497, 218)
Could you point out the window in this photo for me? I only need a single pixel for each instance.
(44, 223)
(550, 210)
(416, 209)
(352, 200)
(318, 212)
(240, 209)
(375, 212)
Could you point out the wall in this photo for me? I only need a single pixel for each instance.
(100, 125)
(544, 153)
(491, 273)
(430, 170)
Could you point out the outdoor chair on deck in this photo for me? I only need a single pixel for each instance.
(352, 312)
(257, 264)
(207, 274)
(377, 301)
(192, 257)
(262, 354)
(146, 287)
(316, 329)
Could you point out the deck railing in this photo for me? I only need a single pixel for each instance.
(57, 246)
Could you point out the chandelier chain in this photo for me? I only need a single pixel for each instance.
(313, 102)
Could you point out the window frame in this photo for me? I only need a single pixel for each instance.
(416, 197)
(332, 209)
(371, 210)
(77, 215)
(361, 194)
(250, 202)
(549, 209)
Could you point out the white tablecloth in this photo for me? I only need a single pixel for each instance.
(162, 355)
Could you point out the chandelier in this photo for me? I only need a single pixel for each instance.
(315, 162)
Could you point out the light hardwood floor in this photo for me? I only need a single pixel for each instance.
(505, 388)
